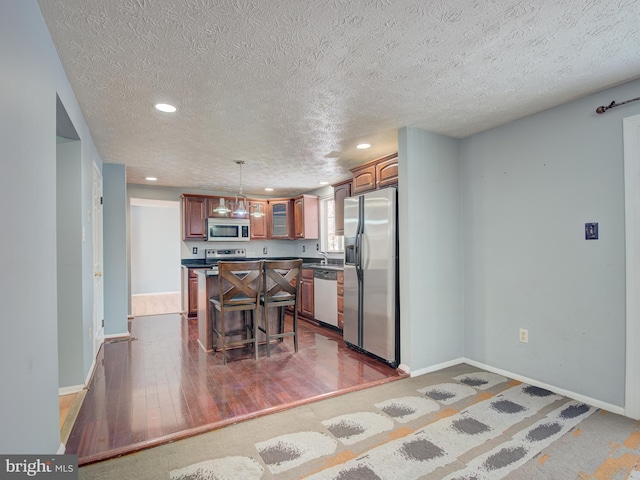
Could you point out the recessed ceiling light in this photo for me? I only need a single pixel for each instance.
(362, 146)
(268, 189)
(323, 183)
(151, 179)
(165, 107)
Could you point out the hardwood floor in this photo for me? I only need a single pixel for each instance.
(65, 401)
(155, 304)
(162, 386)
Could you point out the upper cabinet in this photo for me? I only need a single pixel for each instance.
(194, 217)
(284, 218)
(280, 221)
(379, 173)
(364, 178)
(259, 229)
(387, 171)
(306, 218)
(340, 192)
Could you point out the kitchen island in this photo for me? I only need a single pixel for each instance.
(208, 288)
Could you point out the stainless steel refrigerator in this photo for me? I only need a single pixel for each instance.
(371, 313)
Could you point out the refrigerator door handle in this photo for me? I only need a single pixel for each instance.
(364, 257)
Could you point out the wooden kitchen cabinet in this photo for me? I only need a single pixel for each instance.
(259, 230)
(340, 192)
(280, 218)
(306, 217)
(194, 217)
(387, 171)
(340, 300)
(379, 173)
(190, 291)
(364, 178)
(305, 302)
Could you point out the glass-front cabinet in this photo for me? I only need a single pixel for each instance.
(280, 218)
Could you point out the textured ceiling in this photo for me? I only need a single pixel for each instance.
(291, 87)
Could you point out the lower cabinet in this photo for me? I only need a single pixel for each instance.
(190, 292)
(305, 302)
(340, 300)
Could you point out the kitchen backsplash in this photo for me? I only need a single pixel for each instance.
(255, 248)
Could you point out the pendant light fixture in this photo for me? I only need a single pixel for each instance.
(222, 207)
(241, 206)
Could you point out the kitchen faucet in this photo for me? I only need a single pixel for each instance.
(324, 257)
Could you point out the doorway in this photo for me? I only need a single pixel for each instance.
(98, 284)
(155, 257)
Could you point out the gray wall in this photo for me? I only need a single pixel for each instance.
(528, 189)
(69, 261)
(155, 248)
(28, 198)
(429, 204)
(116, 272)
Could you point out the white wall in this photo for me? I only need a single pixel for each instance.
(528, 189)
(155, 248)
(430, 236)
(32, 76)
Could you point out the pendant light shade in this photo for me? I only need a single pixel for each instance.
(222, 207)
(257, 210)
(239, 208)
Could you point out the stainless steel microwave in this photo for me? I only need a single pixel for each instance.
(228, 230)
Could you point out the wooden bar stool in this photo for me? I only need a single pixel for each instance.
(243, 284)
(280, 283)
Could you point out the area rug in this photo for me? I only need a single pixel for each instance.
(460, 423)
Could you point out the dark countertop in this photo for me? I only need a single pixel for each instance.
(333, 264)
(327, 266)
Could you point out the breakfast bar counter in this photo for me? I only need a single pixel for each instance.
(208, 288)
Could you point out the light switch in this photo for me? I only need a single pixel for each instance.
(591, 231)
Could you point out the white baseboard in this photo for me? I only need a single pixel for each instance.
(117, 335)
(69, 390)
(433, 368)
(561, 391)
(61, 449)
(203, 347)
(90, 372)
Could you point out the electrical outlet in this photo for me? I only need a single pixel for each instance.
(194, 250)
(264, 250)
(524, 335)
(303, 247)
(317, 247)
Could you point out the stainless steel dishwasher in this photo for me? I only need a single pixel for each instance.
(325, 296)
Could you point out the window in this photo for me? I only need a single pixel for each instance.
(329, 241)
